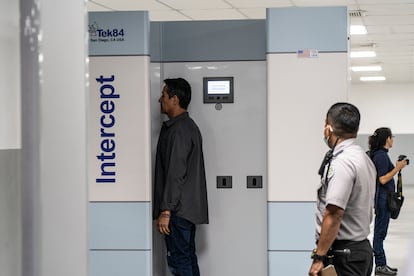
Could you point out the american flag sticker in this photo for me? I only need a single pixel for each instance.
(308, 53)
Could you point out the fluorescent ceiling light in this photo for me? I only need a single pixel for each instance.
(374, 78)
(374, 68)
(358, 30)
(361, 54)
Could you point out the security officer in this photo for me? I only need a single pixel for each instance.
(345, 198)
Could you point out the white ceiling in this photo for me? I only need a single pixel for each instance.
(390, 24)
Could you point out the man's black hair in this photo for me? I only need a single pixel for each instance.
(181, 88)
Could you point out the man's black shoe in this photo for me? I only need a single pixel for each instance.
(392, 268)
(384, 270)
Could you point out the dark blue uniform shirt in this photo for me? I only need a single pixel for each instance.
(383, 165)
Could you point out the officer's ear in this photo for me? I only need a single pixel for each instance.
(329, 127)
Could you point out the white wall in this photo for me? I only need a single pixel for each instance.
(9, 75)
(10, 230)
(387, 105)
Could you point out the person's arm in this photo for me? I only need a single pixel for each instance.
(179, 147)
(399, 165)
(175, 170)
(330, 226)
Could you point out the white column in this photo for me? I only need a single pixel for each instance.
(306, 73)
(54, 189)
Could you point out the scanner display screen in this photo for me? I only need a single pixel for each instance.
(218, 90)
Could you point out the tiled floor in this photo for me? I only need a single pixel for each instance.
(399, 245)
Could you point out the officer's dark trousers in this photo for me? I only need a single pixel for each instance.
(357, 261)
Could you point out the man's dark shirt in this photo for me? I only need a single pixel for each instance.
(180, 181)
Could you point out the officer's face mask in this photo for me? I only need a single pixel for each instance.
(328, 129)
(326, 140)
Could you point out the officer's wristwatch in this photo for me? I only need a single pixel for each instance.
(317, 257)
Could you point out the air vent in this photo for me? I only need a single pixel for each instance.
(356, 13)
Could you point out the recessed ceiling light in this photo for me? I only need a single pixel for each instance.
(361, 54)
(373, 78)
(372, 68)
(358, 30)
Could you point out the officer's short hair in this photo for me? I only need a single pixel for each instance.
(344, 118)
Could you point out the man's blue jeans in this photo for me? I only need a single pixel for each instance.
(181, 254)
(382, 220)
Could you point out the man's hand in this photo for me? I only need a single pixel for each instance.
(316, 268)
(163, 222)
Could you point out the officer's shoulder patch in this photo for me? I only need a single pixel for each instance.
(331, 171)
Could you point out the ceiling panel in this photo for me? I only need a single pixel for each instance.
(260, 3)
(93, 7)
(196, 4)
(388, 9)
(318, 3)
(254, 13)
(384, 2)
(406, 29)
(121, 5)
(169, 15)
(221, 14)
(390, 20)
